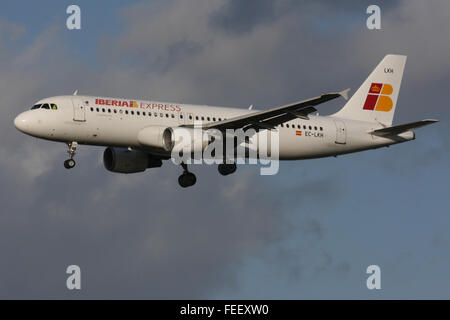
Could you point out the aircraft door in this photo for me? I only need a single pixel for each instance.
(79, 110)
(341, 132)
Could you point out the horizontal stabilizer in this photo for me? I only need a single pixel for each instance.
(402, 128)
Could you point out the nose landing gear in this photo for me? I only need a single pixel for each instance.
(187, 179)
(70, 163)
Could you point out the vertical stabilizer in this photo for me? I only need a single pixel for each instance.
(376, 98)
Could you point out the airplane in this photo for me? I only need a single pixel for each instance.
(139, 134)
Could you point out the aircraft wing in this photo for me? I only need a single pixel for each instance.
(269, 119)
(402, 128)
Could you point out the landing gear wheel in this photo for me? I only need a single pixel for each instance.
(69, 163)
(226, 169)
(187, 179)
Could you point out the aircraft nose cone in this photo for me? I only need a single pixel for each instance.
(21, 122)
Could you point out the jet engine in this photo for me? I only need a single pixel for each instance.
(188, 139)
(156, 137)
(124, 160)
(176, 139)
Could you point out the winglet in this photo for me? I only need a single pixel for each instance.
(344, 93)
(75, 93)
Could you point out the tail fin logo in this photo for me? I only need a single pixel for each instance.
(378, 97)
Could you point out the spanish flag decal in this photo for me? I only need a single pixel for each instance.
(298, 133)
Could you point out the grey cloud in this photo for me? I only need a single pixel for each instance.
(141, 236)
(242, 16)
(134, 236)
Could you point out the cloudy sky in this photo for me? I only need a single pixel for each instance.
(308, 232)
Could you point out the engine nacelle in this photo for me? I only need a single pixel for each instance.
(156, 137)
(123, 160)
(188, 139)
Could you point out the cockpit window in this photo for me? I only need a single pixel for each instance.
(45, 106)
(53, 106)
(36, 106)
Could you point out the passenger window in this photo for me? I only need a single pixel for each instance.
(304, 127)
(53, 106)
(126, 111)
(203, 118)
(190, 117)
(132, 112)
(214, 119)
(310, 128)
(45, 106)
(115, 110)
(92, 109)
(299, 126)
(321, 129)
(196, 117)
(173, 116)
(181, 116)
(167, 115)
(156, 114)
(138, 113)
(109, 110)
(220, 119)
(315, 128)
(208, 118)
(98, 109)
(103, 109)
(37, 106)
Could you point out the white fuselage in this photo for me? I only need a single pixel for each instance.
(117, 122)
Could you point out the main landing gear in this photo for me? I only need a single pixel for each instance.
(226, 169)
(187, 179)
(70, 163)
